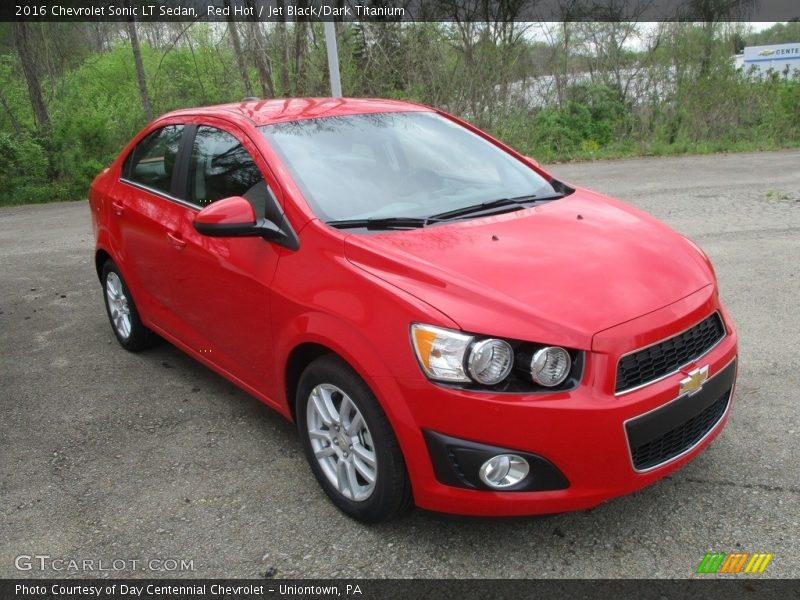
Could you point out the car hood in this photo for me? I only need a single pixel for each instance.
(556, 273)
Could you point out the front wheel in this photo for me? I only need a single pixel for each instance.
(349, 442)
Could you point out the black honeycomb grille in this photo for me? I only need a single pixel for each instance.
(681, 438)
(665, 357)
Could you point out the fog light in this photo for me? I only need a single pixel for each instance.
(504, 470)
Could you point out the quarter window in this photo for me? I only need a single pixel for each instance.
(152, 161)
(220, 167)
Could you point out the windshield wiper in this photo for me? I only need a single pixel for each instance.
(508, 204)
(380, 223)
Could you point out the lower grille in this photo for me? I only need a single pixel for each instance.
(679, 440)
(670, 430)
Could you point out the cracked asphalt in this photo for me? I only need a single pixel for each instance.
(111, 456)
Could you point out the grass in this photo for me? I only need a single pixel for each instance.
(778, 195)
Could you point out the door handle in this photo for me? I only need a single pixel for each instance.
(176, 240)
(118, 208)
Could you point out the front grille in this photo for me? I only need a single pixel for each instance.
(658, 360)
(681, 438)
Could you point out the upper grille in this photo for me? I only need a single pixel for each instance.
(681, 438)
(653, 362)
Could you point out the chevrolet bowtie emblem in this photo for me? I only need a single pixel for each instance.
(694, 382)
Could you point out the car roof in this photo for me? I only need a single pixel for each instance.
(264, 112)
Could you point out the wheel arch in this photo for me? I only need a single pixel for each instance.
(316, 334)
(101, 255)
(299, 358)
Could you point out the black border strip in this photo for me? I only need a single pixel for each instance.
(708, 587)
(400, 10)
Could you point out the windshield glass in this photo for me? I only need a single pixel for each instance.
(397, 164)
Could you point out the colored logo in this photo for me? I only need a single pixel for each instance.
(734, 562)
(766, 53)
(694, 382)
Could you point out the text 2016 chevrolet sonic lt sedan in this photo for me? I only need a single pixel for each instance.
(447, 323)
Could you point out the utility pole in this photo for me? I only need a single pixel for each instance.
(333, 59)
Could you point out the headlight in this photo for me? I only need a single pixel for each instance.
(490, 361)
(441, 352)
(453, 356)
(550, 366)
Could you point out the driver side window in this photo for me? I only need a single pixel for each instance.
(220, 167)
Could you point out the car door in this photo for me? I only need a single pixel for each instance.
(143, 214)
(221, 285)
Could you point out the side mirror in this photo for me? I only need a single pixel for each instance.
(533, 161)
(235, 217)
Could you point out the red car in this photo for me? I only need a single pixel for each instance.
(447, 323)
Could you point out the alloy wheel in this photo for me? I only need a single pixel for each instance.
(118, 306)
(341, 442)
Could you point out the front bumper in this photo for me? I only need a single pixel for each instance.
(583, 433)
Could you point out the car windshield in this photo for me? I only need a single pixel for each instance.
(398, 164)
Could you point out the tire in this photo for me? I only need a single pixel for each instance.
(122, 314)
(330, 395)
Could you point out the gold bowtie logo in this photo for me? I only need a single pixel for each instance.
(694, 382)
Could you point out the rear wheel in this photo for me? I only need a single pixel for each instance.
(349, 442)
(128, 328)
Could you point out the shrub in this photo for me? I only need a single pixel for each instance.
(24, 170)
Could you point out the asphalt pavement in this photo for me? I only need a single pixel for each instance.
(151, 458)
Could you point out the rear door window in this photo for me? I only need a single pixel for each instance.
(152, 161)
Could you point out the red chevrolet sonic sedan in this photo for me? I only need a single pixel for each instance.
(447, 323)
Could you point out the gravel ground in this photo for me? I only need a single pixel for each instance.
(114, 456)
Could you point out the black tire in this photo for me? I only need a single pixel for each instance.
(391, 492)
(139, 337)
